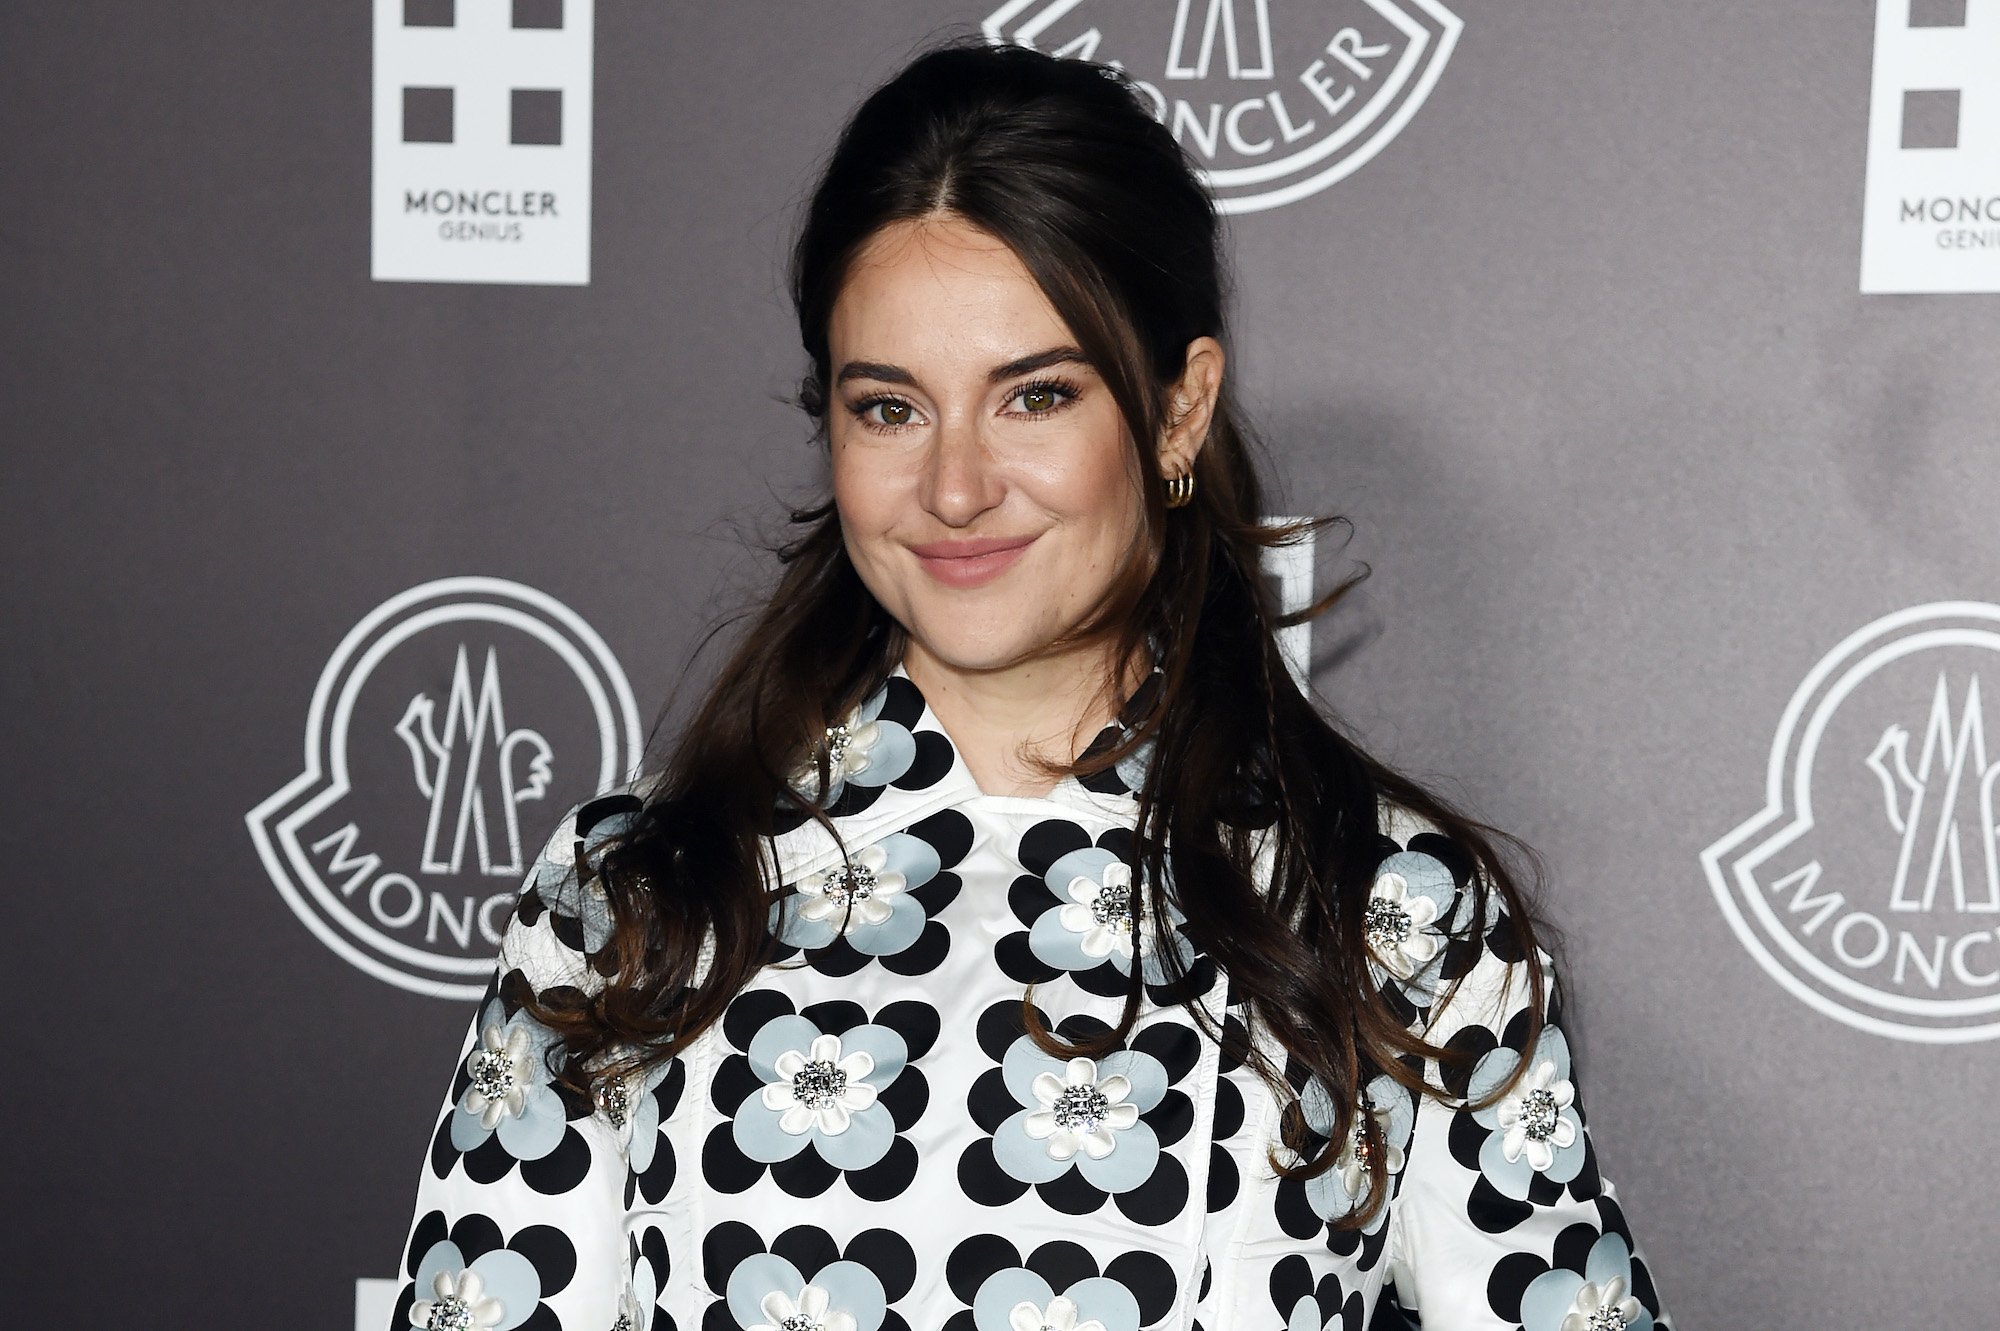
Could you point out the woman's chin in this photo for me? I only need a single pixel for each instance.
(976, 650)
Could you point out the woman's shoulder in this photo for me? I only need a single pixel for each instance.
(562, 920)
(1441, 932)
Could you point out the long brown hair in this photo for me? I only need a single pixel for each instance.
(1058, 159)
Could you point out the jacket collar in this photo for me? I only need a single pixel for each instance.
(893, 765)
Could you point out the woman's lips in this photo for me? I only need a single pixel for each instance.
(970, 563)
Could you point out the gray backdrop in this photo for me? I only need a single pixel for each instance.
(1581, 352)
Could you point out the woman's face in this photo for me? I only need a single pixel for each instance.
(987, 491)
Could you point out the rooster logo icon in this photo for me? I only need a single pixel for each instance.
(1943, 808)
(463, 770)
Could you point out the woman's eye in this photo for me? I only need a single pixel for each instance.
(895, 413)
(1039, 399)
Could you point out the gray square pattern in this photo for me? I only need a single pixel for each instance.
(538, 13)
(427, 115)
(1937, 13)
(536, 116)
(1930, 119)
(430, 13)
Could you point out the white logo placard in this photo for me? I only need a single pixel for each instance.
(1274, 99)
(1931, 208)
(1869, 883)
(449, 730)
(482, 141)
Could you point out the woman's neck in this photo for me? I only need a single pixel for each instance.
(1002, 721)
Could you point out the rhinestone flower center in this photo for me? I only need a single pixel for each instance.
(799, 1322)
(614, 1100)
(1080, 1108)
(1607, 1319)
(849, 884)
(1538, 1117)
(819, 1083)
(837, 740)
(493, 1074)
(1112, 907)
(449, 1313)
(1387, 923)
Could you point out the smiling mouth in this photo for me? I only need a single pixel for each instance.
(970, 563)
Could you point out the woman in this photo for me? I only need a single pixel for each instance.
(1009, 944)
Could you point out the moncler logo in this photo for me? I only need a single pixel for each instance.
(1275, 99)
(1869, 885)
(476, 774)
(431, 782)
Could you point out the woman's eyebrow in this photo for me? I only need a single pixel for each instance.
(1039, 360)
(896, 374)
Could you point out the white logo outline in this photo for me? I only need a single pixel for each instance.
(1407, 85)
(1731, 861)
(1222, 17)
(275, 822)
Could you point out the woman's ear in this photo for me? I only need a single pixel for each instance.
(1190, 406)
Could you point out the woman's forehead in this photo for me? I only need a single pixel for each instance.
(942, 294)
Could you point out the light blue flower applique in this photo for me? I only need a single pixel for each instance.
(768, 1293)
(863, 750)
(1406, 918)
(1534, 1128)
(554, 880)
(1016, 1299)
(1082, 1113)
(865, 900)
(634, 1100)
(1342, 1189)
(820, 1090)
(1098, 918)
(497, 1291)
(510, 1095)
(1598, 1300)
(1135, 766)
(646, 1264)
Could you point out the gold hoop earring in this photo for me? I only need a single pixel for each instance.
(1180, 489)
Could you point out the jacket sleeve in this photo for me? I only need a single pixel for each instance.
(1501, 1218)
(521, 1203)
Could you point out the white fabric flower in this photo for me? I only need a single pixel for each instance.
(847, 749)
(1605, 1307)
(822, 1088)
(853, 894)
(809, 1312)
(1399, 926)
(457, 1304)
(1060, 1315)
(1078, 1110)
(847, 753)
(1537, 1117)
(501, 1068)
(1101, 911)
(1353, 1159)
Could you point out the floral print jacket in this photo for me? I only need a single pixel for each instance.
(869, 1141)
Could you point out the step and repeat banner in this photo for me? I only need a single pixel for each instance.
(394, 395)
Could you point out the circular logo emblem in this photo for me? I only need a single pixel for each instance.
(450, 729)
(1869, 883)
(1274, 99)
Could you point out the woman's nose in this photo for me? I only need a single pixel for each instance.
(960, 478)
